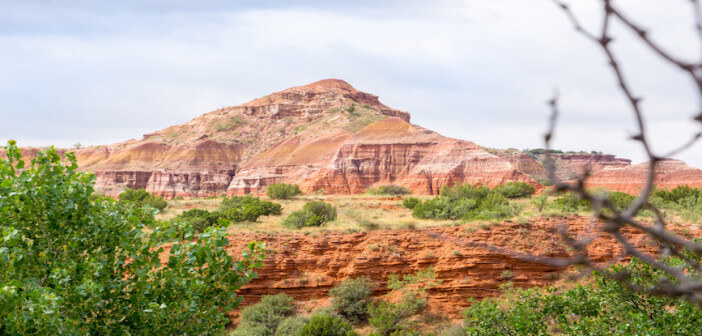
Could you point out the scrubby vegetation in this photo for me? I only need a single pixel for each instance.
(351, 298)
(235, 209)
(466, 202)
(327, 325)
(141, 198)
(410, 202)
(600, 307)
(515, 189)
(389, 189)
(314, 213)
(283, 191)
(80, 265)
(263, 318)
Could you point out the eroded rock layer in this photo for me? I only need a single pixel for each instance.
(306, 266)
(669, 174)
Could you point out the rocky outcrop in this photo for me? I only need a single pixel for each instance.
(307, 266)
(392, 151)
(324, 135)
(669, 174)
(567, 165)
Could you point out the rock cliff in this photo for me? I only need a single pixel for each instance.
(307, 266)
(669, 174)
(325, 136)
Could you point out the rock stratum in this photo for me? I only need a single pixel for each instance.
(329, 137)
(325, 136)
(467, 261)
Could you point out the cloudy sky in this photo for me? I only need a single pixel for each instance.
(98, 72)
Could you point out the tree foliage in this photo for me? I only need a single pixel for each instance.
(76, 265)
(351, 298)
(467, 202)
(141, 198)
(263, 318)
(314, 213)
(603, 307)
(283, 191)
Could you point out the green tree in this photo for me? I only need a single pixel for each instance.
(141, 198)
(75, 264)
(351, 298)
(263, 318)
(283, 191)
(327, 325)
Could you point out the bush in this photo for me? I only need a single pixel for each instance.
(602, 307)
(314, 213)
(283, 191)
(621, 200)
(410, 202)
(76, 266)
(292, 326)
(327, 325)
(199, 219)
(677, 194)
(351, 298)
(263, 318)
(247, 208)
(516, 189)
(393, 318)
(466, 202)
(389, 189)
(141, 198)
(569, 203)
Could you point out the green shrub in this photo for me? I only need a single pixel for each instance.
(247, 208)
(466, 202)
(283, 191)
(292, 326)
(389, 189)
(410, 202)
(313, 213)
(677, 194)
(327, 325)
(393, 318)
(199, 219)
(621, 200)
(351, 298)
(602, 307)
(74, 265)
(516, 189)
(141, 198)
(263, 318)
(569, 203)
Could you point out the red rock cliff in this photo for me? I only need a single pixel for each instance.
(669, 174)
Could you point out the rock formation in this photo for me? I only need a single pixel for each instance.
(325, 136)
(307, 266)
(669, 174)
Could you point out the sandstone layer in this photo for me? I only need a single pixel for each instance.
(307, 266)
(669, 174)
(326, 136)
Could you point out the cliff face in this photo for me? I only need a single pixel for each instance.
(631, 179)
(568, 165)
(306, 266)
(325, 135)
(201, 158)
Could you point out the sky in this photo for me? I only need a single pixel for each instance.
(99, 72)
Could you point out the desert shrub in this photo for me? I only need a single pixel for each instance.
(199, 219)
(393, 318)
(327, 325)
(389, 189)
(263, 318)
(75, 266)
(516, 189)
(283, 191)
(602, 307)
(621, 200)
(247, 208)
(466, 202)
(677, 194)
(569, 203)
(313, 213)
(351, 298)
(141, 198)
(291, 326)
(410, 202)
